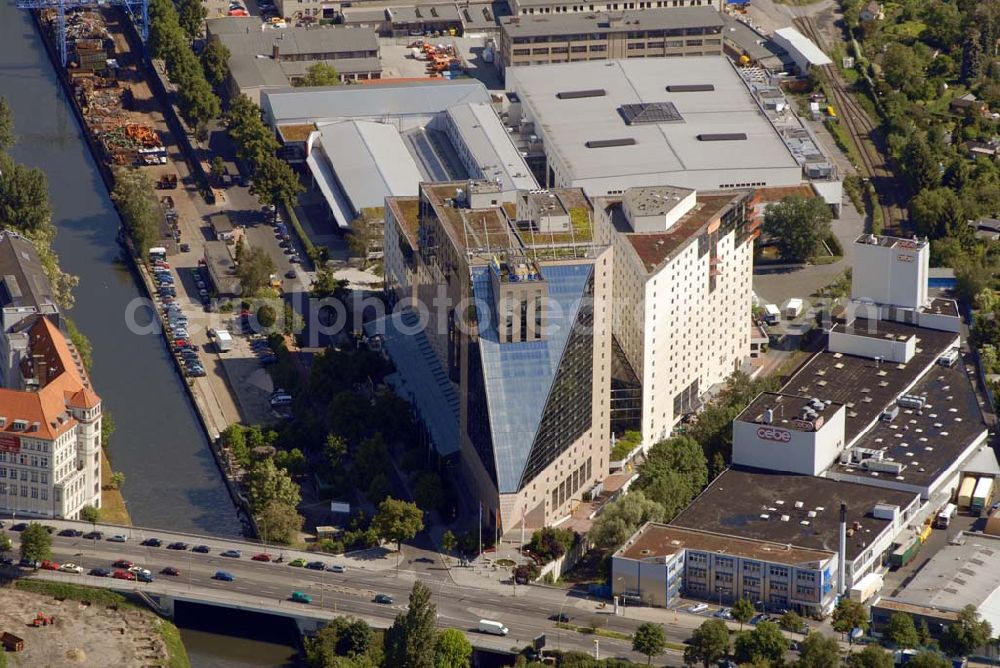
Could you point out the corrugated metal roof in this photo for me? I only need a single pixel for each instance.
(370, 162)
(805, 46)
(490, 146)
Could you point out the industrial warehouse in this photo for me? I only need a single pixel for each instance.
(884, 424)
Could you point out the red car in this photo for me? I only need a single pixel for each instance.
(123, 575)
(49, 565)
(263, 556)
(170, 570)
(123, 563)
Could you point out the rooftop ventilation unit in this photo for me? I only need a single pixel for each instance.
(911, 401)
(691, 88)
(609, 143)
(579, 94)
(723, 136)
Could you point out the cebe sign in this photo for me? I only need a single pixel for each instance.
(774, 434)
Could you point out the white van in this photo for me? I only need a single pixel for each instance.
(493, 628)
(772, 315)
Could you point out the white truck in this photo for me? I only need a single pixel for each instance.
(493, 628)
(223, 340)
(772, 315)
(946, 515)
(793, 309)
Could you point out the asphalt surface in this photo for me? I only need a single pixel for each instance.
(352, 592)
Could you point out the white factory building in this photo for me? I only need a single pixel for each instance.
(683, 266)
(605, 126)
(368, 142)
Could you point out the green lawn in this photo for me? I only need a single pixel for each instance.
(907, 29)
(177, 655)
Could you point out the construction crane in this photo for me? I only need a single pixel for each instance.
(138, 10)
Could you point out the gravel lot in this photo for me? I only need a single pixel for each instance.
(82, 635)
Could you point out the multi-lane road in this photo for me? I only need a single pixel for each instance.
(351, 592)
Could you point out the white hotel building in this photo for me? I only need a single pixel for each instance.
(683, 265)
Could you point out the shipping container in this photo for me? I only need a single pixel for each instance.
(965, 492)
(867, 587)
(982, 496)
(905, 553)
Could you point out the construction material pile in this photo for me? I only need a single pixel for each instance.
(132, 144)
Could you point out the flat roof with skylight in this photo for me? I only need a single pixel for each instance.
(784, 410)
(690, 122)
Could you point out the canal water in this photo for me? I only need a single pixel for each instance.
(171, 480)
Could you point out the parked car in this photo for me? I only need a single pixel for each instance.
(698, 607)
(118, 538)
(233, 554)
(123, 563)
(71, 533)
(177, 546)
(123, 575)
(224, 576)
(94, 535)
(100, 572)
(316, 565)
(263, 556)
(337, 568)
(20, 526)
(384, 599)
(71, 568)
(47, 565)
(170, 570)
(201, 549)
(297, 563)
(290, 273)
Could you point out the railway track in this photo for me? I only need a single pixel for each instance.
(862, 131)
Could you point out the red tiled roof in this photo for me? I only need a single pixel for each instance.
(65, 383)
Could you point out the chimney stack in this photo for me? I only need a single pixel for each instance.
(842, 552)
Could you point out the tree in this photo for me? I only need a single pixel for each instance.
(397, 521)
(902, 632)
(550, 543)
(872, 656)
(266, 483)
(90, 514)
(967, 634)
(920, 164)
(7, 136)
(234, 439)
(254, 271)
(365, 235)
(410, 641)
(649, 639)
(791, 622)
(293, 461)
(215, 62)
(448, 541)
(819, 651)
(902, 69)
(218, 171)
(117, 480)
(267, 316)
(621, 518)
(36, 543)
(274, 182)
(319, 74)
(743, 611)
(937, 211)
(764, 643)
(849, 615)
(798, 226)
(280, 522)
(343, 639)
(674, 472)
(133, 196)
(6, 544)
(452, 650)
(190, 14)
(24, 197)
(708, 644)
(928, 659)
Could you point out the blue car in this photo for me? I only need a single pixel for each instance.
(224, 576)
